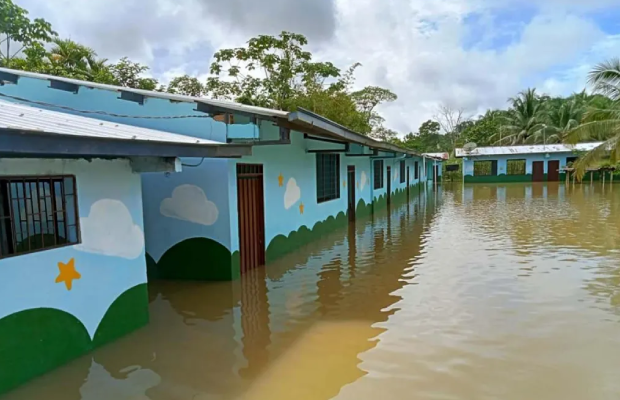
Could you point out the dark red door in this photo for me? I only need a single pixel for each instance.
(250, 203)
(553, 171)
(408, 182)
(538, 171)
(389, 184)
(351, 191)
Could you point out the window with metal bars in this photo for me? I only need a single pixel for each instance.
(378, 174)
(327, 177)
(515, 167)
(402, 172)
(37, 213)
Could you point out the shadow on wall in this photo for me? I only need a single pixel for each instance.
(38, 340)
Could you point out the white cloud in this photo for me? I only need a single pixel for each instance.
(363, 180)
(395, 178)
(189, 203)
(110, 230)
(292, 194)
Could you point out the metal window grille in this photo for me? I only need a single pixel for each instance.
(327, 177)
(515, 167)
(378, 174)
(37, 213)
(402, 172)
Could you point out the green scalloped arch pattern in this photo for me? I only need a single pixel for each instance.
(282, 245)
(199, 258)
(35, 341)
(129, 312)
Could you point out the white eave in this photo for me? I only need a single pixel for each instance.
(526, 149)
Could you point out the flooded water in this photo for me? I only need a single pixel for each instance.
(480, 292)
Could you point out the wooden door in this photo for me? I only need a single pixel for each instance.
(389, 184)
(538, 171)
(250, 203)
(408, 182)
(553, 170)
(351, 191)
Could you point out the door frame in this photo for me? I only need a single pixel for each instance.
(556, 173)
(251, 240)
(351, 191)
(542, 172)
(388, 174)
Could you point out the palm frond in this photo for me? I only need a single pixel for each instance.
(607, 72)
(595, 130)
(593, 157)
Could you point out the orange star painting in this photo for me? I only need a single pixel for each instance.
(67, 273)
(301, 208)
(280, 180)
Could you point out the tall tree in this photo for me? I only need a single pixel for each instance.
(451, 121)
(525, 120)
(369, 98)
(130, 74)
(186, 85)
(267, 72)
(601, 124)
(20, 33)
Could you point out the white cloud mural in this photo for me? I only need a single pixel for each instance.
(190, 203)
(363, 180)
(395, 176)
(110, 230)
(292, 194)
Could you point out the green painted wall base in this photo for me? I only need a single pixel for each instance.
(203, 259)
(35, 341)
(198, 259)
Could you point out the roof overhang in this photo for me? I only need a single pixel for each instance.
(27, 143)
(309, 122)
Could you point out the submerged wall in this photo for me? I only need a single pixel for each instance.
(58, 304)
(502, 176)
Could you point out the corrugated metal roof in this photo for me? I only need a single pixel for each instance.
(442, 156)
(526, 149)
(27, 118)
(229, 105)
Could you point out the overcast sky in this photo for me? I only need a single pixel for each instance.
(472, 54)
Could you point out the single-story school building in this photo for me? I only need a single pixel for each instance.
(526, 163)
(99, 184)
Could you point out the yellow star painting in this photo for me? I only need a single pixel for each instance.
(280, 180)
(67, 273)
(301, 208)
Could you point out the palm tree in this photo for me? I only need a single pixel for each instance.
(72, 58)
(601, 124)
(563, 119)
(525, 120)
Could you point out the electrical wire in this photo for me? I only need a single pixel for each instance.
(194, 166)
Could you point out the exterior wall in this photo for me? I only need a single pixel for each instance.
(187, 222)
(43, 322)
(468, 167)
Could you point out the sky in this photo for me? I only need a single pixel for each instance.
(469, 54)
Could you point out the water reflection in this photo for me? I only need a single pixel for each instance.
(480, 292)
(291, 330)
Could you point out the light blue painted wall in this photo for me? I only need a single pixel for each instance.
(298, 168)
(192, 203)
(110, 258)
(468, 164)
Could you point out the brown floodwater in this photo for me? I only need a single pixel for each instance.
(477, 292)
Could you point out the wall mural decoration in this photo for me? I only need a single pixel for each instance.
(110, 230)
(67, 273)
(292, 194)
(301, 208)
(280, 180)
(190, 203)
(363, 180)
